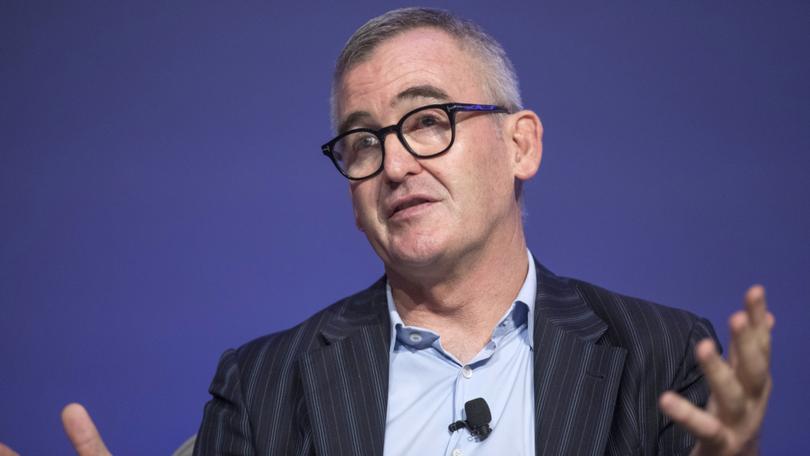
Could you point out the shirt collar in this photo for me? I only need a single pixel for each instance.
(526, 296)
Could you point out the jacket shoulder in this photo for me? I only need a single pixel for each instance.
(634, 322)
(284, 347)
(257, 392)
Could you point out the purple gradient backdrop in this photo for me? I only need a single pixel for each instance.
(163, 197)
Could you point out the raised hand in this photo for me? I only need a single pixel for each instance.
(739, 387)
(82, 432)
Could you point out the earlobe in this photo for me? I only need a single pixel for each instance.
(527, 143)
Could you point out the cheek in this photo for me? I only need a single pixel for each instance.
(364, 204)
(483, 172)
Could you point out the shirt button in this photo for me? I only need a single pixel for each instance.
(458, 452)
(415, 338)
(466, 371)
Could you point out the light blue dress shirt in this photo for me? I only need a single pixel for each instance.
(428, 387)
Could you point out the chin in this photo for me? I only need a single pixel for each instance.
(415, 252)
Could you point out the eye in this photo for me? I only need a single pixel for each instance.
(363, 142)
(426, 120)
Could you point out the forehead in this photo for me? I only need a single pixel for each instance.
(416, 58)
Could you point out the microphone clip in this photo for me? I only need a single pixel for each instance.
(480, 432)
(477, 422)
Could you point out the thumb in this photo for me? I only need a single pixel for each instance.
(6, 451)
(82, 432)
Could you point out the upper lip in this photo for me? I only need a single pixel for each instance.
(405, 201)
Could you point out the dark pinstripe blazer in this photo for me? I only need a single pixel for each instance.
(600, 362)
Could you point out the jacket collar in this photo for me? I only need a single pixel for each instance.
(367, 308)
(559, 303)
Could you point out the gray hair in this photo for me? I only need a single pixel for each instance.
(500, 80)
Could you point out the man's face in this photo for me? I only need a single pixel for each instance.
(419, 213)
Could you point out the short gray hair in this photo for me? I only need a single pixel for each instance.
(500, 79)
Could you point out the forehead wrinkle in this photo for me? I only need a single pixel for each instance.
(414, 92)
(418, 82)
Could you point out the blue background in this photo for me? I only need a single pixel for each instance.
(163, 196)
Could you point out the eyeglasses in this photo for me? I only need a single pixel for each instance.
(425, 132)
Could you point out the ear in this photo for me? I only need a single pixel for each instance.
(525, 137)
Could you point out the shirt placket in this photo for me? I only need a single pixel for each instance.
(461, 387)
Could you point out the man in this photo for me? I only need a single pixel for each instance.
(436, 146)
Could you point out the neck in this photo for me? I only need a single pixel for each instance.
(463, 301)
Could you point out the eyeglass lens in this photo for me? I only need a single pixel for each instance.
(426, 132)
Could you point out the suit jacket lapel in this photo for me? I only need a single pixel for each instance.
(346, 381)
(575, 380)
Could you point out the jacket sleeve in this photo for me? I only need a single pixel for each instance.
(690, 383)
(225, 428)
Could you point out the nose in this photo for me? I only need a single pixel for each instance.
(398, 162)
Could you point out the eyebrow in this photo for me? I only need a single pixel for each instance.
(420, 91)
(353, 119)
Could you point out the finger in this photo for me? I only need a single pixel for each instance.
(6, 451)
(82, 432)
(732, 352)
(764, 339)
(704, 426)
(756, 306)
(753, 354)
(760, 320)
(727, 391)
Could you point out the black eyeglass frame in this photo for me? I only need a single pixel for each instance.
(449, 108)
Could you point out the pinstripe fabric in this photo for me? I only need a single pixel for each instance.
(600, 362)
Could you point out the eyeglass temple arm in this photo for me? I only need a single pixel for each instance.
(476, 107)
